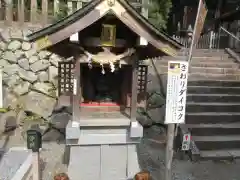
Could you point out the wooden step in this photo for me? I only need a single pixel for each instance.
(217, 142)
(228, 154)
(212, 117)
(214, 129)
(213, 97)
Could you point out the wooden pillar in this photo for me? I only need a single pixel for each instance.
(33, 15)
(144, 10)
(44, 12)
(70, 7)
(21, 10)
(133, 113)
(79, 5)
(9, 12)
(76, 96)
(56, 7)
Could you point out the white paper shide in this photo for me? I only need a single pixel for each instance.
(176, 92)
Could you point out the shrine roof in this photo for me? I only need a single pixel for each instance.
(61, 29)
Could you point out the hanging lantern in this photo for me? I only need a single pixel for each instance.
(108, 35)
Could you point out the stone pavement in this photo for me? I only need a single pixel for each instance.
(151, 153)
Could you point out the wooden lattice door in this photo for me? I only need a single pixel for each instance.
(142, 78)
(65, 81)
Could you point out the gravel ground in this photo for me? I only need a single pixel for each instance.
(151, 158)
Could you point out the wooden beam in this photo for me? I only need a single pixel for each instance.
(133, 113)
(124, 61)
(96, 42)
(76, 96)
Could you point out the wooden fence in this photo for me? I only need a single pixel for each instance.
(33, 11)
(41, 11)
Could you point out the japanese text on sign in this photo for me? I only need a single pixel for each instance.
(176, 92)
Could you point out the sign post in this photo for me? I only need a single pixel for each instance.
(175, 106)
(199, 23)
(34, 142)
(1, 89)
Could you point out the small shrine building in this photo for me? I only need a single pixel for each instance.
(107, 45)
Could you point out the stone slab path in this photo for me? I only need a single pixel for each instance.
(151, 152)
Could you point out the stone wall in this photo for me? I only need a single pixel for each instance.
(29, 77)
(157, 83)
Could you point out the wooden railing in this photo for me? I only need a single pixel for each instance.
(211, 40)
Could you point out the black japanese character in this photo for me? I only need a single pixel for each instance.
(181, 92)
(183, 76)
(180, 116)
(181, 100)
(182, 84)
(183, 67)
(180, 108)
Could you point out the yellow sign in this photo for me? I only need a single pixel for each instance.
(169, 51)
(43, 43)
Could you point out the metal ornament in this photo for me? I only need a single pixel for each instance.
(111, 2)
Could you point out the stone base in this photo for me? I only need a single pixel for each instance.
(103, 162)
(103, 152)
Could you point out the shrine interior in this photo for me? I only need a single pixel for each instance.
(102, 89)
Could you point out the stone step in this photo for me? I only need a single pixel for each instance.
(219, 142)
(199, 58)
(204, 50)
(228, 154)
(15, 164)
(202, 53)
(214, 129)
(213, 98)
(210, 76)
(212, 107)
(214, 64)
(208, 70)
(212, 118)
(227, 83)
(213, 90)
